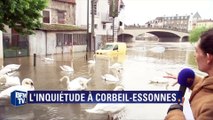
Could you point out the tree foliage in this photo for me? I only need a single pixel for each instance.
(21, 15)
(115, 7)
(196, 33)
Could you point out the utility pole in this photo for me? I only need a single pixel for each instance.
(88, 39)
(113, 29)
(92, 25)
(113, 14)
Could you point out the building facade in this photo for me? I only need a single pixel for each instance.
(58, 33)
(171, 22)
(204, 23)
(103, 22)
(179, 23)
(194, 18)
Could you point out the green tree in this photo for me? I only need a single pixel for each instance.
(21, 15)
(195, 34)
(115, 7)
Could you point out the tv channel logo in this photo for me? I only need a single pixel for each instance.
(18, 98)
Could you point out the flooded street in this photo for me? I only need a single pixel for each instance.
(141, 65)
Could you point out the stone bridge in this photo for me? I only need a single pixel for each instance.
(164, 35)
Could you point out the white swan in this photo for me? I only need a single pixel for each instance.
(27, 84)
(110, 77)
(11, 73)
(10, 80)
(118, 88)
(159, 80)
(13, 67)
(91, 68)
(78, 83)
(92, 61)
(5, 71)
(116, 66)
(157, 49)
(48, 59)
(106, 108)
(109, 108)
(66, 68)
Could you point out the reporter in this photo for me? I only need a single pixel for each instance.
(201, 99)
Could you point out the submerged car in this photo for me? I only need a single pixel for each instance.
(111, 49)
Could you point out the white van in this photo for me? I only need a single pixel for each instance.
(114, 48)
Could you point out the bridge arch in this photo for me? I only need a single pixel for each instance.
(125, 38)
(164, 35)
(185, 38)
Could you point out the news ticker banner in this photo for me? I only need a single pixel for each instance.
(32, 97)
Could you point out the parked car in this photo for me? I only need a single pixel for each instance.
(111, 49)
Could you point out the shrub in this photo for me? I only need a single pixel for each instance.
(195, 34)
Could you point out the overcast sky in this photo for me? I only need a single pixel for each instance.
(141, 11)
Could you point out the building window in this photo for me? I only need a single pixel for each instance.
(67, 39)
(79, 39)
(59, 39)
(63, 39)
(104, 26)
(70, 39)
(95, 26)
(46, 16)
(61, 17)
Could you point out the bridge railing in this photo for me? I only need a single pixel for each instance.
(155, 27)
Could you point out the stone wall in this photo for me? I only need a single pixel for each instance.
(56, 6)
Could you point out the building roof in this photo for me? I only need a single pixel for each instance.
(121, 4)
(159, 18)
(67, 1)
(206, 20)
(196, 15)
(60, 27)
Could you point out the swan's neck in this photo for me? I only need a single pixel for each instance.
(94, 57)
(65, 77)
(115, 73)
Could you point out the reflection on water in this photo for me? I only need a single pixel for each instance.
(140, 65)
(17, 113)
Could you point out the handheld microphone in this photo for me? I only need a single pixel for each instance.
(185, 78)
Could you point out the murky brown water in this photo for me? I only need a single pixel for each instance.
(140, 66)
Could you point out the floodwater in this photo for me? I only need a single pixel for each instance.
(140, 65)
